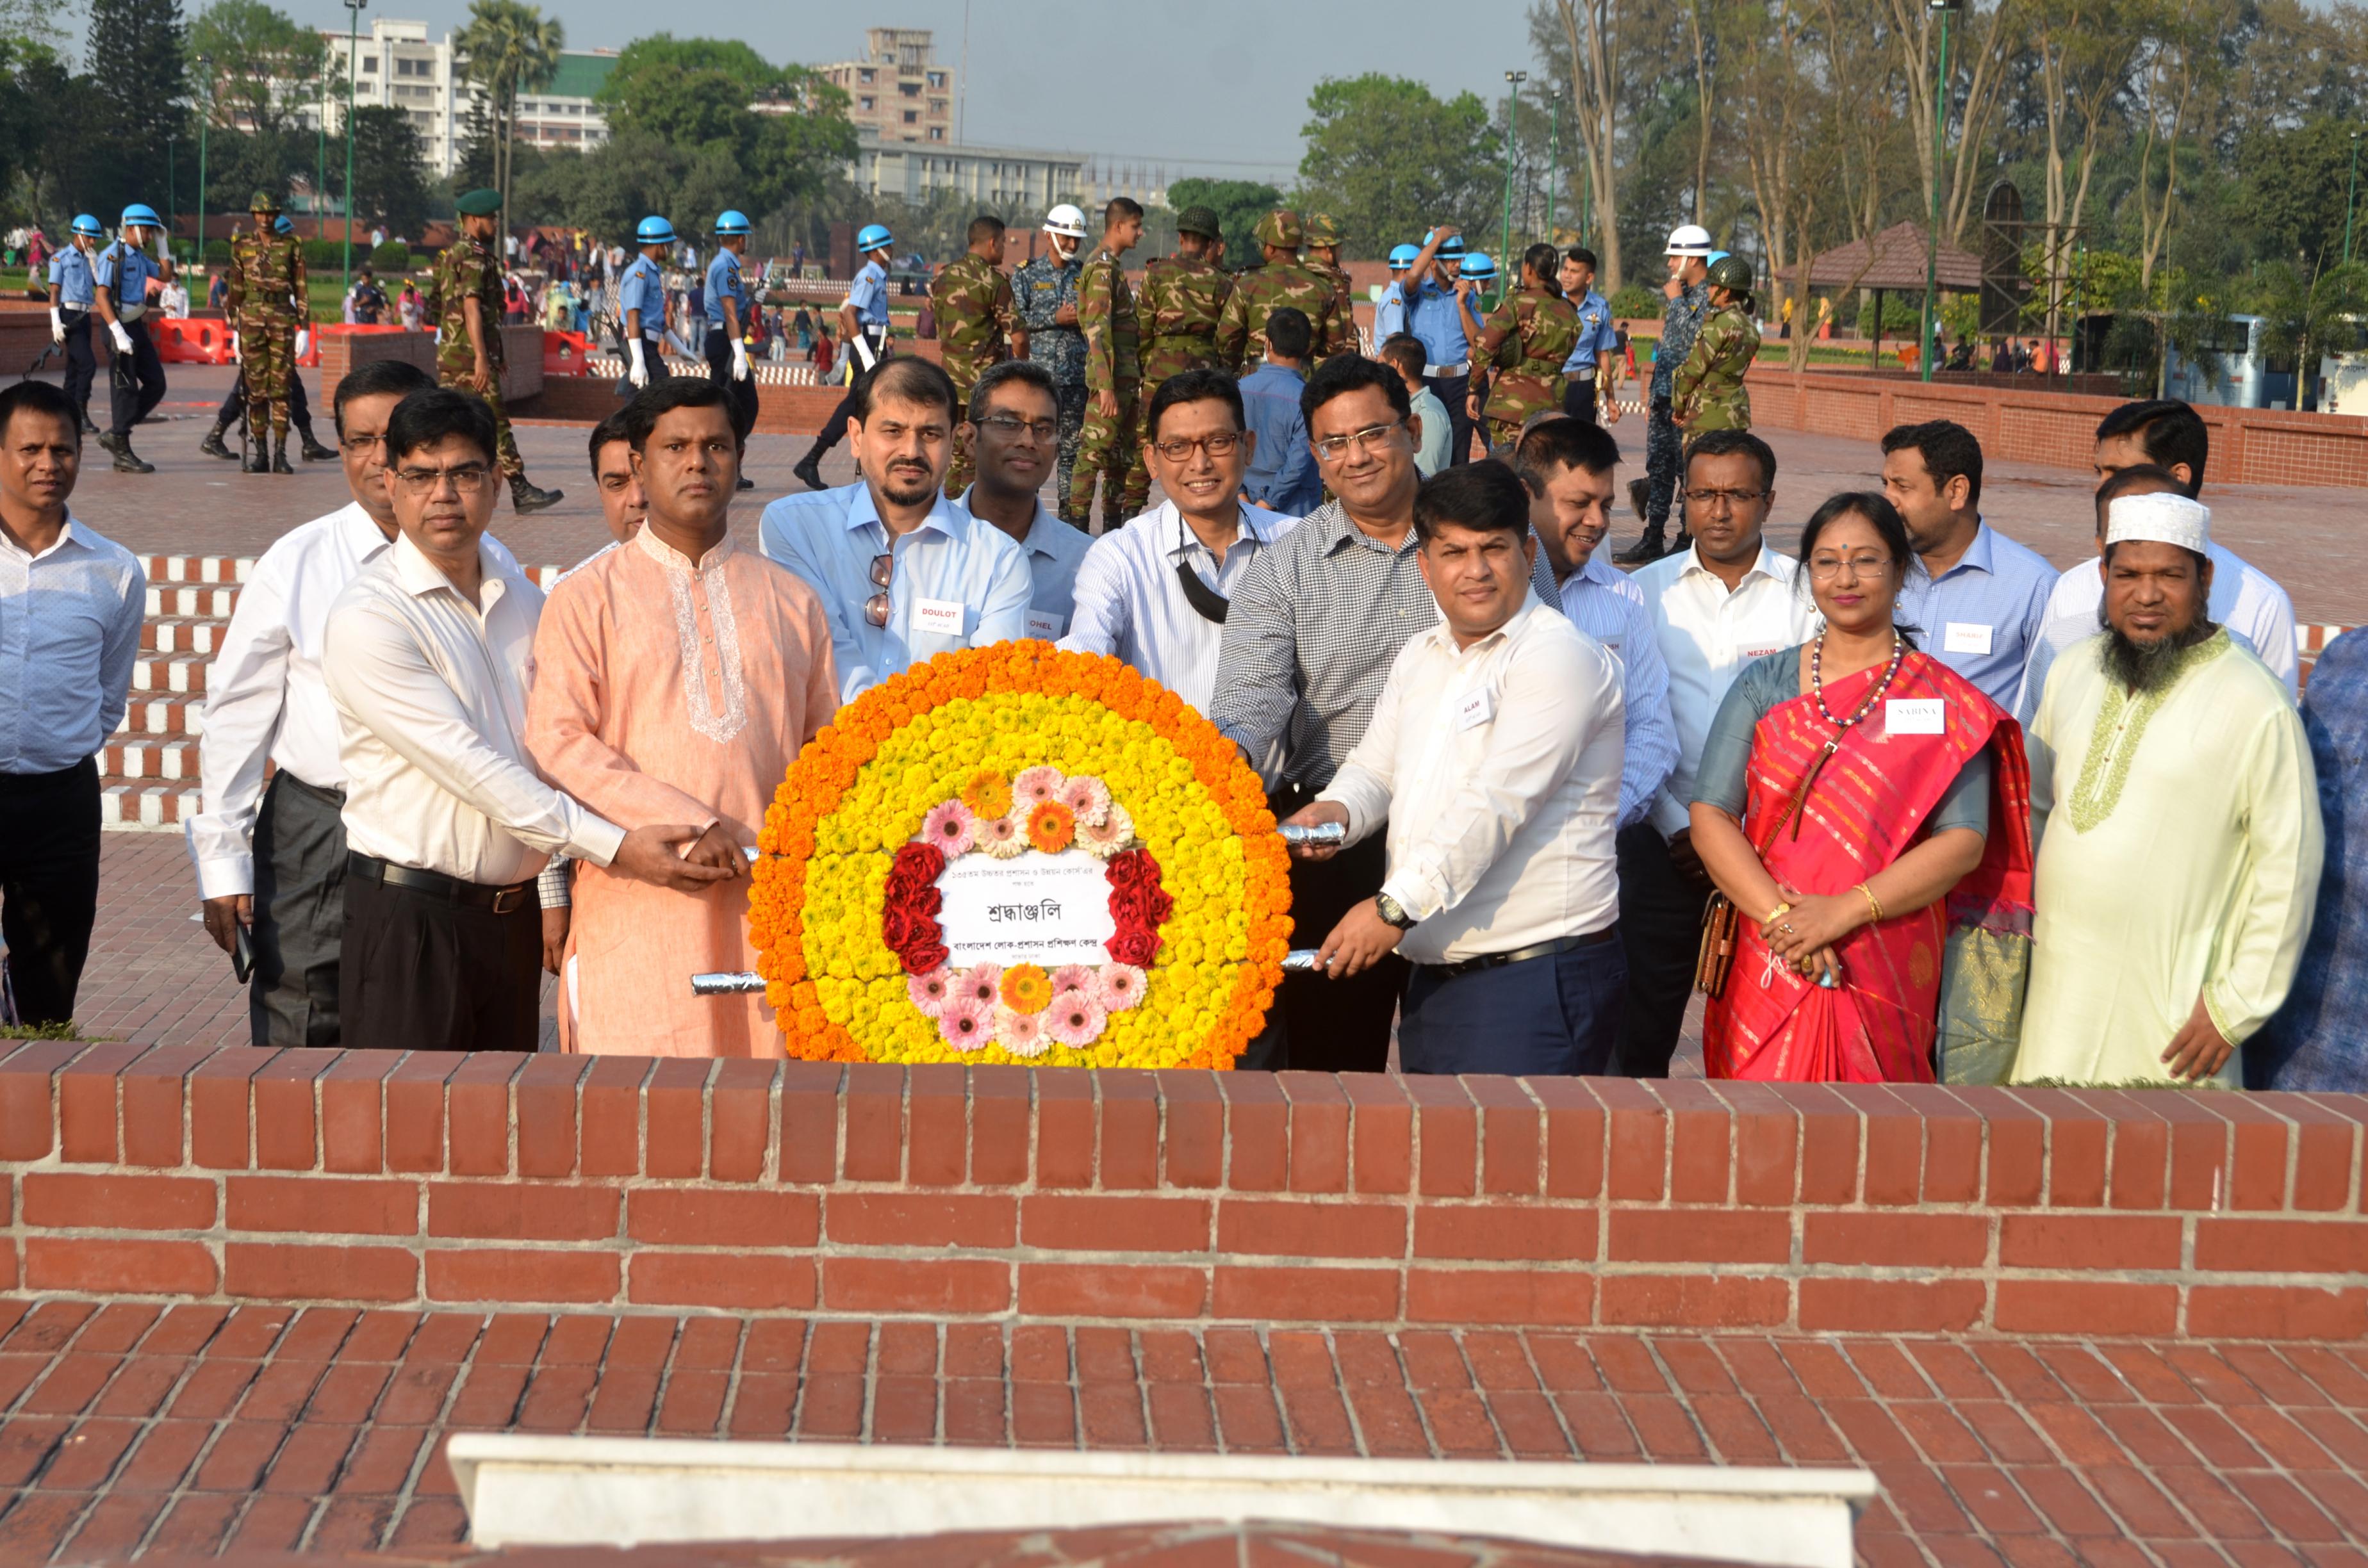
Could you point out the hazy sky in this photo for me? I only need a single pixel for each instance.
(1206, 87)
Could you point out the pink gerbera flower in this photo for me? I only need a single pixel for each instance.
(979, 983)
(929, 992)
(1073, 977)
(1023, 1034)
(966, 1024)
(1107, 837)
(1119, 988)
(1089, 799)
(998, 839)
(1073, 1019)
(1034, 788)
(948, 827)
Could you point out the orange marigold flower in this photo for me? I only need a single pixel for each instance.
(1027, 989)
(1051, 827)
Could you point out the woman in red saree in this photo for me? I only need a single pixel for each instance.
(1856, 799)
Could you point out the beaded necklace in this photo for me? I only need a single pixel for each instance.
(1842, 727)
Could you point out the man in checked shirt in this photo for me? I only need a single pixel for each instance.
(1313, 628)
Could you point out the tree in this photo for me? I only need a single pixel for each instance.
(1388, 160)
(137, 84)
(645, 60)
(2304, 310)
(701, 97)
(2291, 186)
(267, 71)
(508, 45)
(1238, 204)
(1584, 43)
(390, 169)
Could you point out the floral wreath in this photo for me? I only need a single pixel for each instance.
(997, 750)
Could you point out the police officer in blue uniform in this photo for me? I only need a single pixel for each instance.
(74, 293)
(233, 411)
(1436, 315)
(727, 324)
(642, 305)
(121, 274)
(1392, 312)
(863, 329)
(1587, 374)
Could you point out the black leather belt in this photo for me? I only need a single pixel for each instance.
(1523, 955)
(436, 884)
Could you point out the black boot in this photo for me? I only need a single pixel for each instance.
(810, 468)
(126, 460)
(279, 452)
(525, 497)
(745, 483)
(214, 447)
(313, 451)
(253, 456)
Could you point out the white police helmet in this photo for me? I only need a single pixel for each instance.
(1066, 221)
(1687, 239)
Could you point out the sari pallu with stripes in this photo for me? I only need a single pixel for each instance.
(1868, 805)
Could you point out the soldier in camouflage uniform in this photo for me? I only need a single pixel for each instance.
(1044, 298)
(1182, 301)
(266, 293)
(1323, 235)
(1689, 258)
(972, 300)
(1527, 337)
(467, 297)
(1107, 446)
(1708, 392)
(1261, 291)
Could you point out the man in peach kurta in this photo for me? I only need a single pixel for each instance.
(676, 677)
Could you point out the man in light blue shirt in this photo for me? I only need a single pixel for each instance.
(1981, 598)
(904, 573)
(122, 273)
(1587, 374)
(642, 305)
(1390, 312)
(726, 303)
(1015, 420)
(1281, 476)
(73, 292)
(862, 337)
(1404, 354)
(1436, 316)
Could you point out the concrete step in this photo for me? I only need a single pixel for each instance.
(146, 808)
(163, 716)
(164, 569)
(180, 634)
(170, 672)
(191, 603)
(146, 761)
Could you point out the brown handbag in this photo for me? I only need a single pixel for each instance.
(1720, 920)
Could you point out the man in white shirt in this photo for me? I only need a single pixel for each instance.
(271, 857)
(1155, 594)
(2170, 435)
(904, 572)
(427, 661)
(71, 605)
(1493, 757)
(1715, 607)
(1015, 420)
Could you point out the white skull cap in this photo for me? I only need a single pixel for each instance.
(2165, 518)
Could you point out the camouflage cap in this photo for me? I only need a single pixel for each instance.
(1323, 229)
(1198, 221)
(1280, 227)
(264, 202)
(483, 202)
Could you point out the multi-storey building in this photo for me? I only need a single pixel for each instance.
(898, 90)
(398, 63)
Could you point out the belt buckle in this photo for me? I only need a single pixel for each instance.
(508, 899)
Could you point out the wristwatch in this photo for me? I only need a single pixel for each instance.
(1391, 912)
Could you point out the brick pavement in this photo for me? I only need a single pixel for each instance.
(132, 1427)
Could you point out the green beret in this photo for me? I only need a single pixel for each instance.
(483, 202)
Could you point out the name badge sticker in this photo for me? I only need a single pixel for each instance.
(937, 618)
(1475, 707)
(1966, 637)
(1044, 625)
(1913, 716)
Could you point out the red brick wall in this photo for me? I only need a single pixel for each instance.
(872, 1191)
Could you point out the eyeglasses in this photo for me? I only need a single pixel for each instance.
(1826, 567)
(1222, 445)
(467, 479)
(362, 443)
(1008, 426)
(1333, 448)
(1721, 499)
(875, 608)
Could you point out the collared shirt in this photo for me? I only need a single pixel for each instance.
(266, 699)
(1390, 312)
(869, 294)
(1054, 550)
(2246, 601)
(725, 282)
(1981, 616)
(643, 289)
(1131, 605)
(1706, 636)
(126, 271)
(1315, 621)
(1438, 438)
(952, 572)
(1497, 770)
(1282, 470)
(1438, 320)
(1597, 336)
(69, 633)
(70, 270)
(431, 694)
(1603, 602)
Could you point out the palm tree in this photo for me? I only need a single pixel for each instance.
(509, 45)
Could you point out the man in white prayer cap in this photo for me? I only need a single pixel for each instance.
(2177, 813)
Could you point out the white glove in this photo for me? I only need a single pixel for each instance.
(303, 341)
(739, 360)
(57, 326)
(122, 338)
(640, 373)
(236, 358)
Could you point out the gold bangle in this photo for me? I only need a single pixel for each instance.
(1873, 903)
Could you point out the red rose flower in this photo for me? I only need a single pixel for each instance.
(922, 959)
(1134, 946)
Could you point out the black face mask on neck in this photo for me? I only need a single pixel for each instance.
(1206, 602)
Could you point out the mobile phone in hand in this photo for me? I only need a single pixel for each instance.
(242, 951)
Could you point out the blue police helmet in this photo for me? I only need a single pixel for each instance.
(1452, 247)
(1478, 266)
(875, 237)
(653, 231)
(1714, 257)
(1402, 256)
(733, 222)
(85, 223)
(283, 225)
(142, 213)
